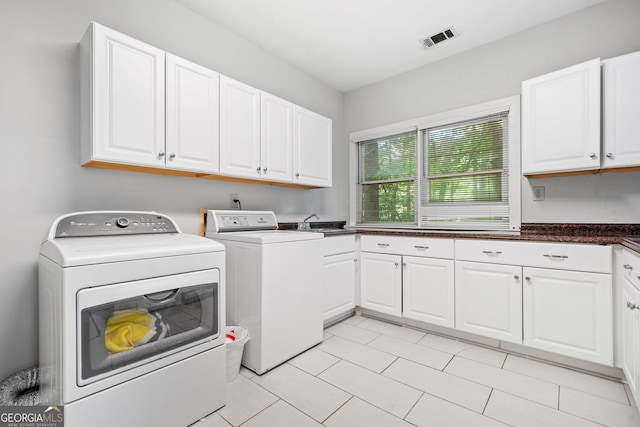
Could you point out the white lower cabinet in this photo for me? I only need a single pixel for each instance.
(381, 279)
(488, 300)
(630, 310)
(339, 284)
(569, 313)
(428, 290)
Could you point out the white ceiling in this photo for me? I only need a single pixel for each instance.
(351, 43)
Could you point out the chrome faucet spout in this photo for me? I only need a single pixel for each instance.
(310, 216)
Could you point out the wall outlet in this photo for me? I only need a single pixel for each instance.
(538, 193)
(232, 203)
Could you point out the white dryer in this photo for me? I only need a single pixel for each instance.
(131, 321)
(274, 285)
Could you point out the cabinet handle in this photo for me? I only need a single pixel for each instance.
(355, 260)
(265, 170)
(258, 169)
(609, 155)
(593, 155)
(516, 277)
(492, 252)
(383, 245)
(297, 175)
(420, 247)
(397, 264)
(527, 278)
(404, 264)
(556, 256)
(632, 306)
(172, 156)
(161, 154)
(628, 267)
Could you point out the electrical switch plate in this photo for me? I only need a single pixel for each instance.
(232, 203)
(538, 193)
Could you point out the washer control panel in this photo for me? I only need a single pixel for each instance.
(114, 223)
(229, 221)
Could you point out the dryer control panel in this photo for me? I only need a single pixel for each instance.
(229, 221)
(113, 223)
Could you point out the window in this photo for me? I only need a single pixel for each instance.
(465, 174)
(388, 179)
(458, 170)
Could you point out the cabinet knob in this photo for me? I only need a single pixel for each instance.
(609, 155)
(264, 170)
(258, 169)
(172, 156)
(593, 155)
(516, 277)
(297, 175)
(527, 278)
(161, 154)
(628, 267)
(632, 306)
(396, 264)
(404, 264)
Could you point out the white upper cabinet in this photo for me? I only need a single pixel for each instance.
(122, 97)
(621, 109)
(276, 138)
(312, 163)
(561, 120)
(239, 129)
(191, 116)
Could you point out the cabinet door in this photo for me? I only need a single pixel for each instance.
(339, 284)
(621, 105)
(381, 283)
(489, 300)
(127, 105)
(631, 336)
(428, 290)
(561, 120)
(311, 148)
(239, 129)
(569, 312)
(276, 138)
(192, 116)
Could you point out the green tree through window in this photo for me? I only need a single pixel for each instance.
(387, 179)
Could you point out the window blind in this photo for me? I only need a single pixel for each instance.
(464, 180)
(387, 179)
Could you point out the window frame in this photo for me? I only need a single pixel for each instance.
(510, 104)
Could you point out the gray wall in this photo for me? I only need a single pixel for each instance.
(41, 176)
(495, 71)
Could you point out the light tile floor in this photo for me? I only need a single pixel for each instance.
(376, 374)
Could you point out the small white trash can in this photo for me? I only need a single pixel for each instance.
(235, 349)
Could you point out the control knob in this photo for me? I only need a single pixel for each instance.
(122, 222)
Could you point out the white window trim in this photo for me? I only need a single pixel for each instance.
(512, 104)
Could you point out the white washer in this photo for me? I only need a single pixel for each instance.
(94, 265)
(273, 285)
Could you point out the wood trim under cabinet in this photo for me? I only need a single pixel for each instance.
(583, 172)
(161, 171)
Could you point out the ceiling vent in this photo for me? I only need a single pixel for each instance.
(433, 40)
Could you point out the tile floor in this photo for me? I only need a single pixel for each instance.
(372, 373)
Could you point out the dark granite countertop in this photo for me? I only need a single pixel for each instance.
(627, 235)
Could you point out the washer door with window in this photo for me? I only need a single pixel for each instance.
(125, 326)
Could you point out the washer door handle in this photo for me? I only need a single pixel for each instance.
(162, 296)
